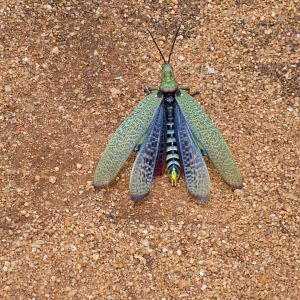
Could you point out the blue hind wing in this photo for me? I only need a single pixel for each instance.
(143, 169)
(194, 168)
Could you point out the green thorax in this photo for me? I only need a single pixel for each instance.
(168, 83)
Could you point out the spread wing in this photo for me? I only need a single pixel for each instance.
(210, 138)
(194, 168)
(125, 139)
(144, 165)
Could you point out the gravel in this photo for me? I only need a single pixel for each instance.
(60, 103)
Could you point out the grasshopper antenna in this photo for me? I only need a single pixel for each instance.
(174, 43)
(157, 46)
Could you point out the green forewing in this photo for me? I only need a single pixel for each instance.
(210, 137)
(124, 140)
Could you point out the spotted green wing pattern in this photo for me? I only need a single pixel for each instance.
(145, 162)
(196, 175)
(125, 139)
(210, 138)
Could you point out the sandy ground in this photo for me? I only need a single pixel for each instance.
(70, 73)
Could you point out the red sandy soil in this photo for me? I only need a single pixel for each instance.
(60, 102)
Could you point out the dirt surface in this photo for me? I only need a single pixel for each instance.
(70, 73)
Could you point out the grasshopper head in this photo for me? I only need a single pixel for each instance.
(168, 82)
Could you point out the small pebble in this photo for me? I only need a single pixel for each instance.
(211, 70)
(55, 50)
(115, 92)
(73, 248)
(238, 192)
(181, 57)
(52, 179)
(48, 7)
(7, 88)
(145, 242)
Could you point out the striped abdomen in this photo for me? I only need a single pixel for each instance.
(173, 161)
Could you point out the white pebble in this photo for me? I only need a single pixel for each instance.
(211, 70)
(181, 57)
(55, 50)
(7, 88)
(5, 269)
(52, 179)
(145, 243)
(115, 92)
(73, 247)
(48, 7)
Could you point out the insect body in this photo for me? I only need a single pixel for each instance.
(170, 130)
(172, 158)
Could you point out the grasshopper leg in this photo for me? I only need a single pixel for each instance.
(183, 87)
(148, 90)
(186, 88)
(195, 94)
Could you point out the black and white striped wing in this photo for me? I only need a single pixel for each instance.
(144, 165)
(194, 168)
